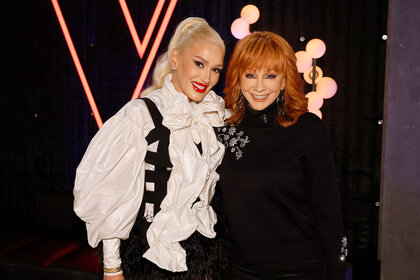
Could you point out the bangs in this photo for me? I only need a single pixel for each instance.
(262, 55)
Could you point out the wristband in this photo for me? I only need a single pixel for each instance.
(112, 271)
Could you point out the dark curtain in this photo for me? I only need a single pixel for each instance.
(48, 122)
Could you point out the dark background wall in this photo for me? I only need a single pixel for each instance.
(47, 121)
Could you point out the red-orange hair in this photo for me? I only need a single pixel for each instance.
(265, 51)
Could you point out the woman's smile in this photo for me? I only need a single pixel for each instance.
(199, 87)
(260, 98)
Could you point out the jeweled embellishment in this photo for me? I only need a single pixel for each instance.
(344, 251)
(232, 139)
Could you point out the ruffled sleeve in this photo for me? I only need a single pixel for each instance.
(110, 178)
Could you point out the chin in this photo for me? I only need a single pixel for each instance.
(197, 100)
(258, 106)
(197, 97)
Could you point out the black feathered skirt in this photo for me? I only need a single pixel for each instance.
(207, 258)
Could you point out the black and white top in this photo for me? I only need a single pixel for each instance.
(280, 193)
(110, 181)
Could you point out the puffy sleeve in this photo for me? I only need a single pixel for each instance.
(325, 197)
(109, 180)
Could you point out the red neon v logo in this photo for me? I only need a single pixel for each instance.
(141, 47)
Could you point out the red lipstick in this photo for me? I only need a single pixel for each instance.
(199, 87)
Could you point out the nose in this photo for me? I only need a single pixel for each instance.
(205, 76)
(259, 86)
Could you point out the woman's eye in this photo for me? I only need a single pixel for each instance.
(271, 76)
(249, 76)
(217, 70)
(199, 64)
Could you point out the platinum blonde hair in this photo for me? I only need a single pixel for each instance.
(189, 30)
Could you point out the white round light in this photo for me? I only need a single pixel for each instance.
(316, 48)
(326, 87)
(315, 101)
(250, 14)
(303, 61)
(239, 28)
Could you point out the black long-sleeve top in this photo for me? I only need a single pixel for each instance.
(280, 193)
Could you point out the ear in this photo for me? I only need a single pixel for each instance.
(174, 57)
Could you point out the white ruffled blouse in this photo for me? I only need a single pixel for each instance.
(109, 181)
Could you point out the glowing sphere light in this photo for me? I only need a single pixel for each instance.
(315, 101)
(239, 28)
(326, 87)
(250, 14)
(315, 48)
(304, 61)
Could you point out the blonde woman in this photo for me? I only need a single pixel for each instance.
(145, 183)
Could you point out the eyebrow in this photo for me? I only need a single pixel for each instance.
(205, 61)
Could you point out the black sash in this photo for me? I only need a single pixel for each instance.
(160, 176)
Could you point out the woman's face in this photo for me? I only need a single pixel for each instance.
(197, 69)
(261, 87)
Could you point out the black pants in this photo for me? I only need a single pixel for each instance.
(304, 270)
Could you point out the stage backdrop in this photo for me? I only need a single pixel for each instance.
(48, 122)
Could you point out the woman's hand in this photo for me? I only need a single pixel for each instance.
(114, 277)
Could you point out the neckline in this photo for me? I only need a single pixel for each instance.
(265, 117)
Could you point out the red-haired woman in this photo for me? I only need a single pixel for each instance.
(278, 180)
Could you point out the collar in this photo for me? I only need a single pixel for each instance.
(179, 113)
(265, 117)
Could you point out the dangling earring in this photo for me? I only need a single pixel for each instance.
(173, 68)
(240, 102)
(280, 102)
